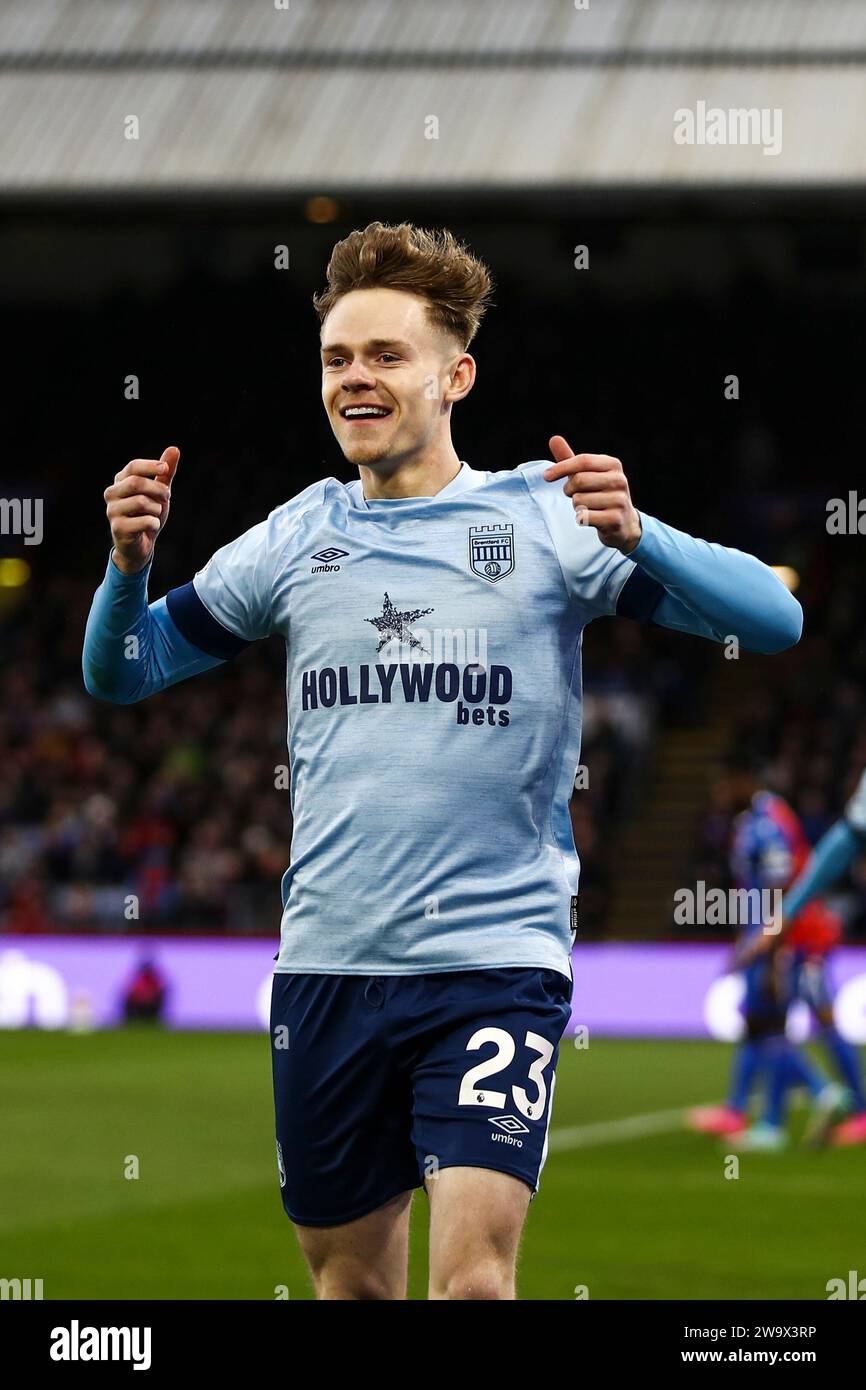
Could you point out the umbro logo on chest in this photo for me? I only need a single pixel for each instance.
(326, 559)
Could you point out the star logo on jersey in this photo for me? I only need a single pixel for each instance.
(491, 551)
(392, 624)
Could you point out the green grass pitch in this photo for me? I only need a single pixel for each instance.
(638, 1217)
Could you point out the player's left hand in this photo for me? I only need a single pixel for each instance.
(598, 489)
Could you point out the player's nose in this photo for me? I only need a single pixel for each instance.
(356, 375)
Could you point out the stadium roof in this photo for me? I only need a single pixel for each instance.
(331, 95)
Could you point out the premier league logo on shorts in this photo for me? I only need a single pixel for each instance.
(491, 551)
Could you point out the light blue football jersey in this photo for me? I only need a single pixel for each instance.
(855, 809)
(433, 683)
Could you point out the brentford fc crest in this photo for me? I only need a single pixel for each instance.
(491, 551)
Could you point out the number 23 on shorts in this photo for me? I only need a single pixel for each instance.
(531, 1105)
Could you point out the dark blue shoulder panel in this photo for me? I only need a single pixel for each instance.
(639, 596)
(199, 626)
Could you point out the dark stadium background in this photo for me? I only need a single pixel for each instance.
(174, 798)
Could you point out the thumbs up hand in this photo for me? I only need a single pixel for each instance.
(137, 508)
(599, 493)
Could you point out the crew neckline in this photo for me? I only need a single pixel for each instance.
(464, 479)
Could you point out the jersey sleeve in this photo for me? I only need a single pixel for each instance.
(832, 856)
(228, 603)
(600, 578)
(855, 810)
(670, 578)
(131, 648)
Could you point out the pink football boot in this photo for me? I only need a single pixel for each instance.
(850, 1131)
(717, 1119)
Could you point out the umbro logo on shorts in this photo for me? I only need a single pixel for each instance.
(510, 1124)
(512, 1127)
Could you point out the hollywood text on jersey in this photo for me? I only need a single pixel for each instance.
(479, 695)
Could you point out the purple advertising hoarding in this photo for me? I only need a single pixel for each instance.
(620, 990)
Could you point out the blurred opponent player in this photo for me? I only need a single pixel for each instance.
(807, 937)
(424, 975)
(768, 848)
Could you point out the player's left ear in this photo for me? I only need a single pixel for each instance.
(461, 379)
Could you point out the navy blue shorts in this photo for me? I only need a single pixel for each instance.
(380, 1081)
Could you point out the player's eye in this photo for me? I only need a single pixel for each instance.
(392, 355)
(332, 361)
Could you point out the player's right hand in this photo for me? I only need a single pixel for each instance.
(137, 506)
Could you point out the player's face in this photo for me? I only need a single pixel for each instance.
(379, 348)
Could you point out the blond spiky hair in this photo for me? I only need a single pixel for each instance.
(433, 264)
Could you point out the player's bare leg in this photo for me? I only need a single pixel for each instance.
(363, 1259)
(476, 1219)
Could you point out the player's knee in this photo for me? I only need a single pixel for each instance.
(487, 1280)
(354, 1283)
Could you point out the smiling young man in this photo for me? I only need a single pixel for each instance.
(433, 616)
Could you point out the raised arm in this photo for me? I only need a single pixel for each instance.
(672, 578)
(834, 853)
(713, 591)
(131, 648)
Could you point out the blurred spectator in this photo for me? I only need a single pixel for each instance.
(145, 996)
